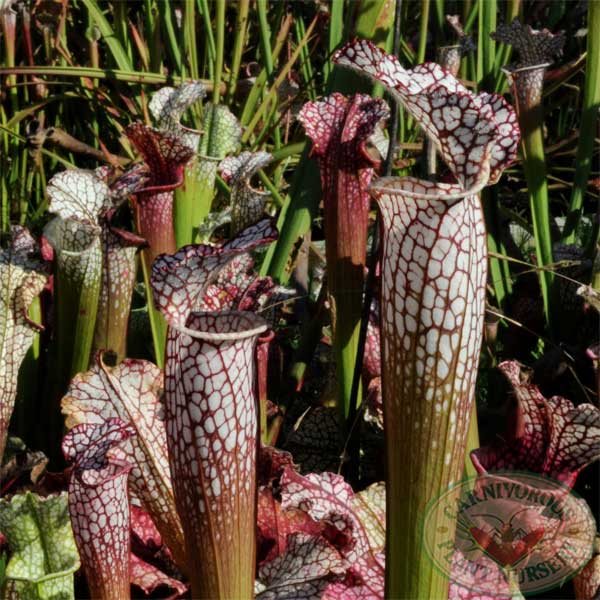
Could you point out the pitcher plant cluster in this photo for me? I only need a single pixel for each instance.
(185, 471)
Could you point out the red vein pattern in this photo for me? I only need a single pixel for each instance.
(131, 392)
(99, 505)
(327, 497)
(149, 578)
(247, 203)
(323, 512)
(477, 135)
(550, 437)
(78, 198)
(181, 281)
(238, 287)
(21, 280)
(211, 415)
(469, 585)
(274, 525)
(231, 285)
(433, 271)
(212, 434)
(303, 572)
(340, 128)
(587, 581)
(132, 180)
(83, 239)
(434, 262)
(166, 156)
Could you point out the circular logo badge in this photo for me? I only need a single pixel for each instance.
(503, 532)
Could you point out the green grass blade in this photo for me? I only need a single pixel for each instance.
(366, 20)
(208, 32)
(295, 218)
(165, 10)
(534, 166)
(190, 38)
(308, 73)
(258, 87)
(108, 34)
(220, 44)
(486, 46)
(588, 124)
(116, 74)
(423, 28)
(501, 284)
(241, 25)
(265, 46)
(335, 34)
(271, 96)
(265, 36)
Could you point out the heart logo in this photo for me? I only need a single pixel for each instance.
(508, 551)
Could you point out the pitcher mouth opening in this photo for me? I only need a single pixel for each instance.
(228, 326)
(426, 190)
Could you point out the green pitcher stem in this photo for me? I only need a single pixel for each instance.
(76, 310)
(193, 201)
(534, 166)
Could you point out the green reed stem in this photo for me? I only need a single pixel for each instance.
(258, 87)
(266, 54)
(588, 124)
(534, 166)
(423, 28)
(335, 34)
(189, 32)
(306, 65)
(108, 34)
(116, 74)
(208, 33)
(486, 69)
(486, 46)
(271, 96)
(241, 25)
(220, 45)
(500, 275)
(265, 36)
(504, 51)
(165, 9)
